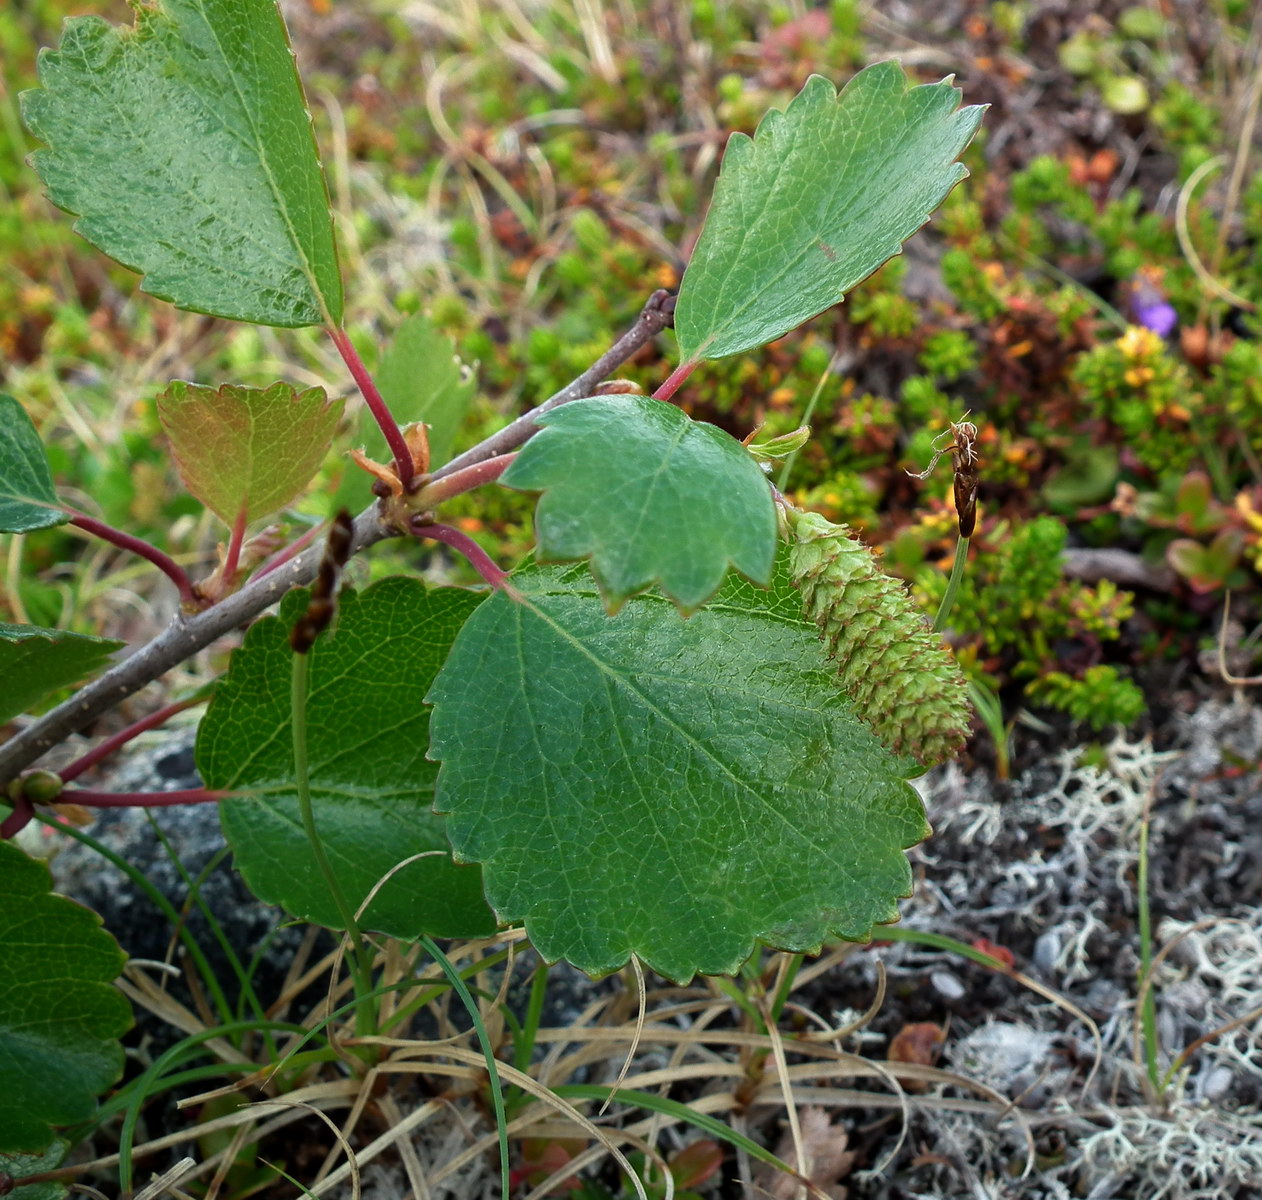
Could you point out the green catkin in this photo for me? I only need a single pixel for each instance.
(903, 680)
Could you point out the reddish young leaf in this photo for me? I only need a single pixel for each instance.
(917, 1043)
(250, 447)
(1002, 953)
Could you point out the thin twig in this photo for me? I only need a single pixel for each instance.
(464, 480)
(125, 541)
(657, 314)
(123, 736)
(183, 638)
(478, 558)
(91, 798)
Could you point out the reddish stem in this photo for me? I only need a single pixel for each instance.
(123, 736)
(376, 405)
(164, 562)
(94, 799)
(481, 561)
(232, 559)
(281, 557)
(674, 379)
(464, 480)
(18, 819)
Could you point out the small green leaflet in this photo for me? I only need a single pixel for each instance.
(247, 446)
(26, 485)
(650, 495)
(674, 789)
(19, 1166)
(767, 448)
(185, 149)
(821, 196)
(35, 662)
(421, 379)
(371, 785)
(60, 1018)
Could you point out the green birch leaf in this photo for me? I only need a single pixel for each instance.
(819, 197)
(60, 1018)
(650, 495)
(19, 1166)
(26, 485)
(243, 446)
(421, 379)
(35, 662)
(371, 786)
(185, 149)
(674, 789)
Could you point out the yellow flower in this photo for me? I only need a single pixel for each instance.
(1138, 343)
(1244, 506)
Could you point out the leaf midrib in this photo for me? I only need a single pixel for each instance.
(618, 678)
(753, 297)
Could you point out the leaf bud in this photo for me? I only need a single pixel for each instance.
(41, 787)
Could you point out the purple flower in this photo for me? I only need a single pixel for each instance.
(1150, 308)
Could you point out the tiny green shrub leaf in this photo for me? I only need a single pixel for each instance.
(251, 447)
(185, 149)
(421, 379)
(19, 1166)
(60, 1018)
(815, 201)
(26, 484)
(673, 789)
(649, 494)
(371, 785)
(35, 662)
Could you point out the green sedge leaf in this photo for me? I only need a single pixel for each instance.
(650, 495)
(185, 149)
(247, 447)
(60, 1019)
(674, 789)
(27, 496)
(371, 785)
(421, 379)
(819, 197)
(36, 662)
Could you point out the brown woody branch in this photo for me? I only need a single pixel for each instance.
(189, 634)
